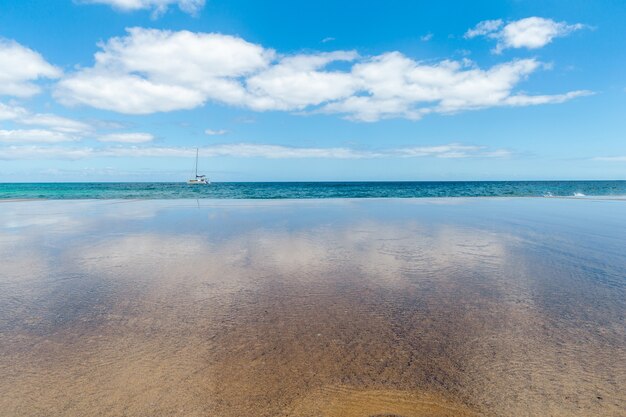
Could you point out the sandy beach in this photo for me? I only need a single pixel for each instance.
(380, 307)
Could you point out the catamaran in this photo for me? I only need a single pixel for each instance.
(200, 179)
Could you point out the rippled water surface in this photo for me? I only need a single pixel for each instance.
(311, 190)
(347, 308)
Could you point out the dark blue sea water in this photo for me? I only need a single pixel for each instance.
(300, 190)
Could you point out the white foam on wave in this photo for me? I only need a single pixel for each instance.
(579, 195)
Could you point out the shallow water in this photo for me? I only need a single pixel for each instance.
(437, 307)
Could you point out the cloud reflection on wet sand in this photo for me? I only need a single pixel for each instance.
(319, 308)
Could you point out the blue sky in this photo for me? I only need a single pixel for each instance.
(125, 90)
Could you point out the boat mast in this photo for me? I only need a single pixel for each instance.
(196, 162)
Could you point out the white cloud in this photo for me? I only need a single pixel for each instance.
(152, 70)
(426, 37)
(53, 129)
(397, 86)
(530, 33)
(125, 93)
(58, 123)
(219, 132)
(127, 137)
(248, 150)
(20, 67)
(22, 116)
(484, 28)
(11, 112)
(524, 100)
(533, 32)
(34, 136)
(43, 152)
(610, 158)
(183, 56)
(454, 150)
(50, 127)
(158, 7)
(296, 82)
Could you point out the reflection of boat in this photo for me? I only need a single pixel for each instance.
(200, 179)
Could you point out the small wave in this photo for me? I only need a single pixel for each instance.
(548, 194)
(579, 195)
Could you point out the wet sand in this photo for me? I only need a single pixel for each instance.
(364, 308)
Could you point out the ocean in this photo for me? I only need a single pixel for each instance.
(308, 190)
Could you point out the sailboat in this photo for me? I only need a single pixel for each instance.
(200, 179)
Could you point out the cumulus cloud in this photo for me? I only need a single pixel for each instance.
(151, 70)
(125, 93)
(20, 68)
(157, 70)
(127, 137)
(158, 7)
(530, 33)
(249, 150)
(297, 82)
(398, 86)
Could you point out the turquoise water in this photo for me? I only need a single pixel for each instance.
(303, 190)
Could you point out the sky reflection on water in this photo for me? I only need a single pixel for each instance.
(503, 307)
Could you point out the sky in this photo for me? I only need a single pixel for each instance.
(126, 90)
